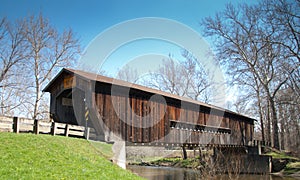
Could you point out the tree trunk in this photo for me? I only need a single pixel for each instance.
(184, 153)
(289, 137)
(269, 123)
(36, 103)
(282, 118)
(297, 135)
(274, 124)
(282, 136)
(261, 118)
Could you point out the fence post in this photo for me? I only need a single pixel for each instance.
(53, 128)
(36, 126)
(184, 154)
(16, 125)
(87, 133)
(67, 130)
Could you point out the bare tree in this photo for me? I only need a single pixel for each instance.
(12, 47)
(244, 46)
(48, 50)
(184, 78)
(13, 50)
(128, 74)
(31, 52)
(284, 16)
(168, 78)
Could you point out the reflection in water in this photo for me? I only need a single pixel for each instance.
(169, 173)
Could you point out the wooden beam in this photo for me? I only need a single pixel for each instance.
(36, 127)
(53, 128)
(16, 125)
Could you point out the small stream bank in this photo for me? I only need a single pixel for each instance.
(166, 173)
(281, 166)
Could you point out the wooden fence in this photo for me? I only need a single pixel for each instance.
(24, 125)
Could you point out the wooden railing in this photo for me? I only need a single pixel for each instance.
(24, 125)
(261, 143)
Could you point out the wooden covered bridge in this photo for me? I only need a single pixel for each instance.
(141, 115)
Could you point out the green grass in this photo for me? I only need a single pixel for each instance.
(28, 156)
(103, 148)
(292, 167)
(177, 162)
(281, 155)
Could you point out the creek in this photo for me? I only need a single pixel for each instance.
(171, 173)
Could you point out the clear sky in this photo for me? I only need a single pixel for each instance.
(90, 17)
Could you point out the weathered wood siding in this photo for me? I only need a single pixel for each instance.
(138, 120)
(130, 114)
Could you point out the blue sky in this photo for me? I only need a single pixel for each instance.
(89, 18)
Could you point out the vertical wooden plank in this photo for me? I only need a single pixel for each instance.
(137, 120)
(116, 111)
(122, 117)
(200, 118)
(144, 121)
(167, 124)
(133, 129)
(189, 116)
(222, 121)
(158, 121)
(138, 105)
(206, 119)
(153, 128)
(182, 114)
(129, 119)
(53, 128)
(252, 131)
(172, 112)
(111, 119)
(100, 103)
(232, 129)
(193, 116)
(153, 116)
(16, 125)
(36, 126)
(106, 109)
(141, 120)
(162, 121)
(67, 130)
(150, 121)
(177, 113)
(142, 114)
(203, 122)
(87, 133)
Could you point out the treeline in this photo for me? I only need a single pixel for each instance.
(259, 47)
(32, 50)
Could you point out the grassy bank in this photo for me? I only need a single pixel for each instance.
(28, 156)
(290, 165)
(193, 163)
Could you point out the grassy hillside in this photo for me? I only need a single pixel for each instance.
(28, 156)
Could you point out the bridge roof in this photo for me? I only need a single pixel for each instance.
(104, 79)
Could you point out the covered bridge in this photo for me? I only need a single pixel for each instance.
(141, 115)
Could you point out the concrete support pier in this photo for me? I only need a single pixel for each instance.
(119, 151)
